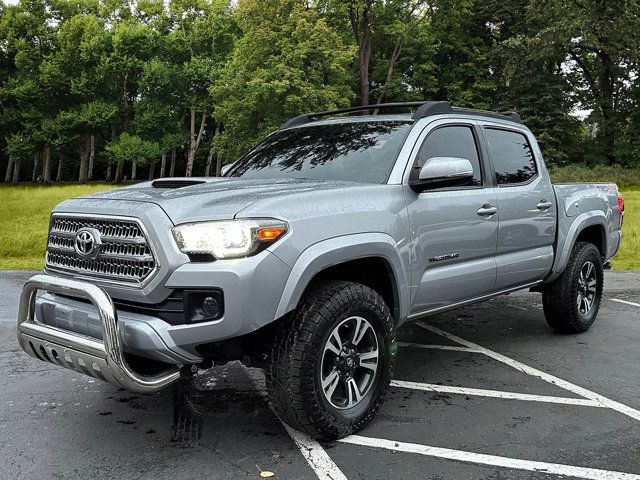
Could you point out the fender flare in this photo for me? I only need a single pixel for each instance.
(582, 221)
(334, 251)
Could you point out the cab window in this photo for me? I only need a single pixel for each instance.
(511, 156)
(452, 141)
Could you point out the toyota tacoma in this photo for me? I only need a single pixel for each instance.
(311, 251)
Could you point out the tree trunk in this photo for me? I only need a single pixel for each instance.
(608, 128)
(134, 169)
(364, 56)
(361, 27)
(172, 168)
(397, 49)
(152, 167)
(35, 167)
(211, 152)
(7, 176)
(163, 165)
(46, 165)
(119, 171)
(207, 170)
(60, 163)
(109, 162)
(218, 166)
(16, 173)
(85, 147)
(92, 154)
(194, 140)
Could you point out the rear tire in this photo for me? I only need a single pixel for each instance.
(571, 302)
(331, 361)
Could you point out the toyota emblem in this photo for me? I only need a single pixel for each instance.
(88, 242)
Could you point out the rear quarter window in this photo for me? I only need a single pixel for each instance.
(511, 155)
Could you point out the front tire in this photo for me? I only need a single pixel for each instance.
(571, 302)
(332, 360)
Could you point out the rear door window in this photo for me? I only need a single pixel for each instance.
(511, 156)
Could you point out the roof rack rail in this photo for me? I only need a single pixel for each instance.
(511, 116)
(422, 110)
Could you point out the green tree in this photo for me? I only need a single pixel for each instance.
(600, 39)
(289, 61)
(133, 149)
(26, 39)
(203, 43)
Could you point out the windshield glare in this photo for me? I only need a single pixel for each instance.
(361, 152)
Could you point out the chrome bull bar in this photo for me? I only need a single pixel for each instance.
(103, 360)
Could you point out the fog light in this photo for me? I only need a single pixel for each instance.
(210, 307)
(203, 305)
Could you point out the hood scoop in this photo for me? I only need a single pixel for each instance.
(176, 183)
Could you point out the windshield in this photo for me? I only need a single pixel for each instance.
(361, 152)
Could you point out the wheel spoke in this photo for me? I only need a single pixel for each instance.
(349, 371)
(585, 304)
(359, 330)
(369, 360)
(330, 383)
(589, 270)
(334, 344)
(353, 393)
(580, 303)
(591, 285)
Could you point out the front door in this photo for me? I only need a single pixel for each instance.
(454, 230)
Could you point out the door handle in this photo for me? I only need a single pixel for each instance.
(487, 210)
(544, 205)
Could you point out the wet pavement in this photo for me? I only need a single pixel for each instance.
(55, 423)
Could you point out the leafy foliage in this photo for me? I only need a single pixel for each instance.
(288, 61)
(193, 81)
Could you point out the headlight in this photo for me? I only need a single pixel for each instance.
(228, 238)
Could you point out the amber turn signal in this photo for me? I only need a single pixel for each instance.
(270, 233)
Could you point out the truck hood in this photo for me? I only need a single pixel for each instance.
(215, 198)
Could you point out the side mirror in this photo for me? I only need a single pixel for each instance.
(438, 172)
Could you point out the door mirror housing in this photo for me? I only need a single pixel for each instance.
(438, 172)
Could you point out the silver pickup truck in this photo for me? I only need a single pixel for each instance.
(311, 250)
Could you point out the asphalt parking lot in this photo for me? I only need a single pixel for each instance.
(483, 392)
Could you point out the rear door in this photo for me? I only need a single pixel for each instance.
(526, 206)
(454, 233)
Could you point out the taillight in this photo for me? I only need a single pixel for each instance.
(620, 207)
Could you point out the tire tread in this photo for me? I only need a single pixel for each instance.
(291, 391)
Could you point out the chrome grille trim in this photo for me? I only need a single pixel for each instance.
(126, 256)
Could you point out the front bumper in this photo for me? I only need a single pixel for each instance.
(100, 359)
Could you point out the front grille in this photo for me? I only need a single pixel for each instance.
(125, 255)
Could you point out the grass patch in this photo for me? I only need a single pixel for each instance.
(628, 258)
(25, 220)
(625, 178)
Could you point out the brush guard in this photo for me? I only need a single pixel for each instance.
(104, 359)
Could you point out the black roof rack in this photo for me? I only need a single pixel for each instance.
(422, 110)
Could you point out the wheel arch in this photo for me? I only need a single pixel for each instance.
(350, 257)
(589, 227)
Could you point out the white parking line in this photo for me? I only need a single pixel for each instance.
(633, 304)
(436, 347)
(316, 456)
(484, 459)
(430, 387)
(583, 392)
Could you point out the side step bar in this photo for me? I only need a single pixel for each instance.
(103, 360)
